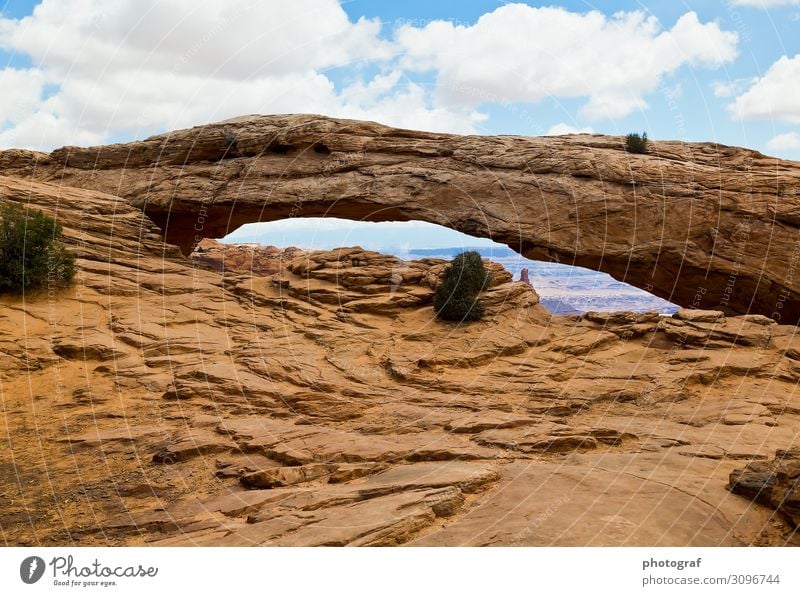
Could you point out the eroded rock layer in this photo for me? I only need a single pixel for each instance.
(242, 258)
(700, 224)
(159, 402)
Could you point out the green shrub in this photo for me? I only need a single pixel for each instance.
(456, 296)
(636, 143)
(31, 253)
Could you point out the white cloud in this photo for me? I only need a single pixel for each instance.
(784, 142)
(766, 3)
(21, 91)
(731, 87)
(108, 70)
(723, 89)
(562, 128)
(131, 68)
(519, 53)
(234, 39)
(407, 107)
(776, 95)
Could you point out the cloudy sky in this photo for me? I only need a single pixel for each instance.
(98, 71)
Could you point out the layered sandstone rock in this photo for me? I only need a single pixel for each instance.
(242, 258)
(774, 483)
(158, 401)
(700, 224)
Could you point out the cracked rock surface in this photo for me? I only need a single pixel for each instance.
(158, 401)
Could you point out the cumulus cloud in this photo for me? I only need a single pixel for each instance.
(784, 142)
(131, 68)
(105, 71)
(562, 128)
(731, 87)
(519, 53)
(234, 39)
(22, 90)
(776, 95)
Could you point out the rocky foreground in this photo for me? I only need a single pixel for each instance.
(159, 401)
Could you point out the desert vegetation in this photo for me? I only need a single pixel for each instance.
(456, 297)
(636, 143)
(32, 255)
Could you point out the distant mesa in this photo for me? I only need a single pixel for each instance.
(558, 306)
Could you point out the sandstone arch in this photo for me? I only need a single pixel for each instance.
(700, 224)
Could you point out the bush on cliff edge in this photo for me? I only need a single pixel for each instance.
(636, 143)
(456, 296)
(32, 255)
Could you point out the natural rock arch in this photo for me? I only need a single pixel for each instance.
(700, 224)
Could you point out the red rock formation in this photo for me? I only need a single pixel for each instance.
(699, 224)
(156, 401)
(243, 258)
(523, 275)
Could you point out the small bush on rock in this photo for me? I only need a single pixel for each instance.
(32, 255)
(636, 143)
(456, 296)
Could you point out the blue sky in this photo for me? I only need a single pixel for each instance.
(87, 72)
(328, 233)
(696, 114)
